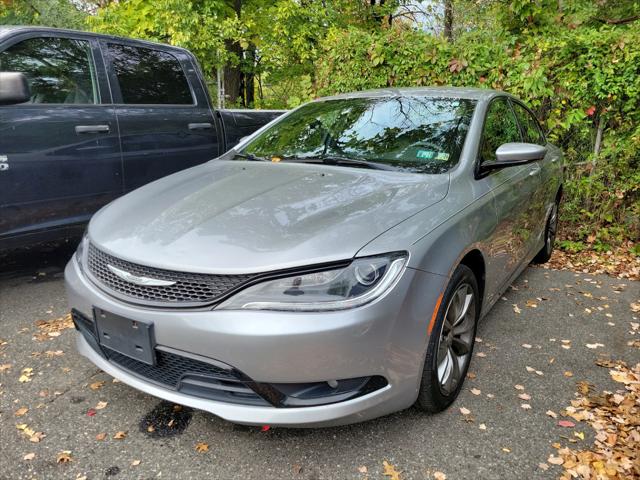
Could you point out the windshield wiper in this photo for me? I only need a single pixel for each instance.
(251, 157)
(339, 161)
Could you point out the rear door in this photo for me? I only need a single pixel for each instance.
(165, 119)
(60, 150)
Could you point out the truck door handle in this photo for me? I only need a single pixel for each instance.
(92, 128)
(199, 126)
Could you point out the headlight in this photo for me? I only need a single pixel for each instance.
(81, 248)
(364, 280)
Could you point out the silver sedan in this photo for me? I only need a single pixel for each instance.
(331, 268)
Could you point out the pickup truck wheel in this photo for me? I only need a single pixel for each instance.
(550, 230)
(451, 342)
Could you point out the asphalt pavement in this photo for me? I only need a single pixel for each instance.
(566, 321)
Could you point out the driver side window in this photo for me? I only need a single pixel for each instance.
(59, 70)
(500, 127)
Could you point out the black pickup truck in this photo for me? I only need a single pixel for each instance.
(85, 118)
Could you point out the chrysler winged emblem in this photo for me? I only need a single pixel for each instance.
(145, 281)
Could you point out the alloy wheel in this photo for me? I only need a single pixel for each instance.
(456, 338)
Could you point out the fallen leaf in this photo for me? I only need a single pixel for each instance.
(520, 387)
(439, 476)
(481, 354)
(202, 447)
(525, 406)
(553, 460)
(5, 366)
(530, 369)
(101, 436)
(543, 466)
(390, 471)
(568, 374)
(362, 469)
(37, 437)
(96, 385)
(552, 414)
(524, 396)
(526, 345)
(101, 405)
(580, 435)
(566, 424)
(21, 411)
(464, 411)
(64, 457)
(475, 391)
(120, 435)
(135, 463)
(482, 426)
(516, 308)
(506, 450)
(29, 456)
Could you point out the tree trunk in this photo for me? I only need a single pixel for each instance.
(233, 72)
(448, 19)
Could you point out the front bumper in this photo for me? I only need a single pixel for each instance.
(386, 338)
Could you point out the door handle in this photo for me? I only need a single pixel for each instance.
(199, 126)
(92, 128)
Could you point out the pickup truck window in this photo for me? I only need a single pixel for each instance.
(149, 77)
(59, 70)
(415, 134)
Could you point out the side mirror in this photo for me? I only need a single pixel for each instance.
(520, 152)
(516, 153)
(14, 88)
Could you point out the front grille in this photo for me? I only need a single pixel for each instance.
(190, 289)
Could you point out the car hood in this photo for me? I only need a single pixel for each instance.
(243, 217)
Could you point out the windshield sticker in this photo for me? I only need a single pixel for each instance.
(425, 154)
(443, 156)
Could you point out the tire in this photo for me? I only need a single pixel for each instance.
(437, 390)
(550, 229)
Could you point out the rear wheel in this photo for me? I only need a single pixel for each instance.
(451, 343)
(550, 230)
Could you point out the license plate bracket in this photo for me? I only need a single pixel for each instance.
(133, 338)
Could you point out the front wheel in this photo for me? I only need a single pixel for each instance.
(451, 342)
(544, 255)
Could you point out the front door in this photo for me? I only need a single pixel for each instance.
(516, 193)
(60, 150)
(165, 120)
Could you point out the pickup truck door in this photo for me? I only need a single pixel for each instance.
(166, 122)
(60, 152)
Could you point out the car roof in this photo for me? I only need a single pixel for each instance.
(443, 92)
(6, 30)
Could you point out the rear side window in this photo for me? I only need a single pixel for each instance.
(59, 70)
(530, 128)
(500, 127)
(149, 77)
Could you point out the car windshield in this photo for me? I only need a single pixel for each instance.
(415, 134)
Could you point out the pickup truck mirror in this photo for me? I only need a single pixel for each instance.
(14, 88)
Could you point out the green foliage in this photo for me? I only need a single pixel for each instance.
(53, 13)
(575, 62)
(577, 80)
